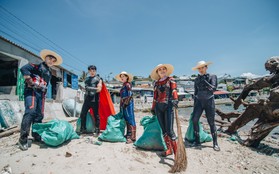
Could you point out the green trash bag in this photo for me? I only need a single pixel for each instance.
(189, 136)
(55, 132)
(115, 129)
(90, 124)
(152, 137)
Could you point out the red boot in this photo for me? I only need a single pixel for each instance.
(169, 147)
(174, 146)
(132, 138)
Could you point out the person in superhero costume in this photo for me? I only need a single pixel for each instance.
(37, 78)
(127, 105)
(93, 86)
(164, 99)
(205, 84)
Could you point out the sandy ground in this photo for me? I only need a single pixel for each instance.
(86, 157)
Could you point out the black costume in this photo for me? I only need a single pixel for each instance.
(205, 85)
(91, 100)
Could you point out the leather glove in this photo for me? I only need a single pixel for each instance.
(152, 111)
(175, 103)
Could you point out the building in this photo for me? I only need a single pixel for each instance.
(13, 57)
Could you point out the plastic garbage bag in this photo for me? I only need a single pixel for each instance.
(8, 117)
(90, 124)
(115, 129)
(189, 136)
(55, 132)
(152, 137)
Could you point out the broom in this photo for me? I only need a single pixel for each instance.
(180, 161)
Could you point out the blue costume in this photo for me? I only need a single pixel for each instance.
(34, 98)
(127, 108)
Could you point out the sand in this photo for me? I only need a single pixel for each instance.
(83, 156)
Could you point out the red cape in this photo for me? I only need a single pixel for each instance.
(106, 107)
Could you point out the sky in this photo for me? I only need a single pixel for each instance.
(238, 36)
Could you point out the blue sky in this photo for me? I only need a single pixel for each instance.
(238, 36)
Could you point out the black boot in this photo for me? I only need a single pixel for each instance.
(37, 137)
(215, 144)
(82, 131)
(82, 127)
(97, 126)
(197, 143)
(96, 132)
(23, 145)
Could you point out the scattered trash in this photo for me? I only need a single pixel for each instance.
(6, 170)
(88, 140)
(233, 138)
(91, 141)
(68, 154)
(97, 143)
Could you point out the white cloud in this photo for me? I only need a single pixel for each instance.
(250, 75)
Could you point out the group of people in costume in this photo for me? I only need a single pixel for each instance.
(165, 100)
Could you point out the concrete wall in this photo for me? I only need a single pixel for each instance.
(8, 47)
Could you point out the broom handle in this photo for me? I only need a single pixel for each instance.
(177, 121)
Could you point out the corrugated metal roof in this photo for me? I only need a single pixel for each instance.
(15, 44)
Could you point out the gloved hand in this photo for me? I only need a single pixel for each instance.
(90, 89)
(152, 111)
(175, 103)
(41, 87)
(125, 105)
(127, 101)
(29, 82)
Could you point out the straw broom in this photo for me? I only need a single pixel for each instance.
(180, 161)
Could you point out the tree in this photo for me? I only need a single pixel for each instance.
(194, 75)
(83, 76)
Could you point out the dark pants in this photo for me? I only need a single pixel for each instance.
(34, 113)
(165, 117)
(88, 103)
(207, 105)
